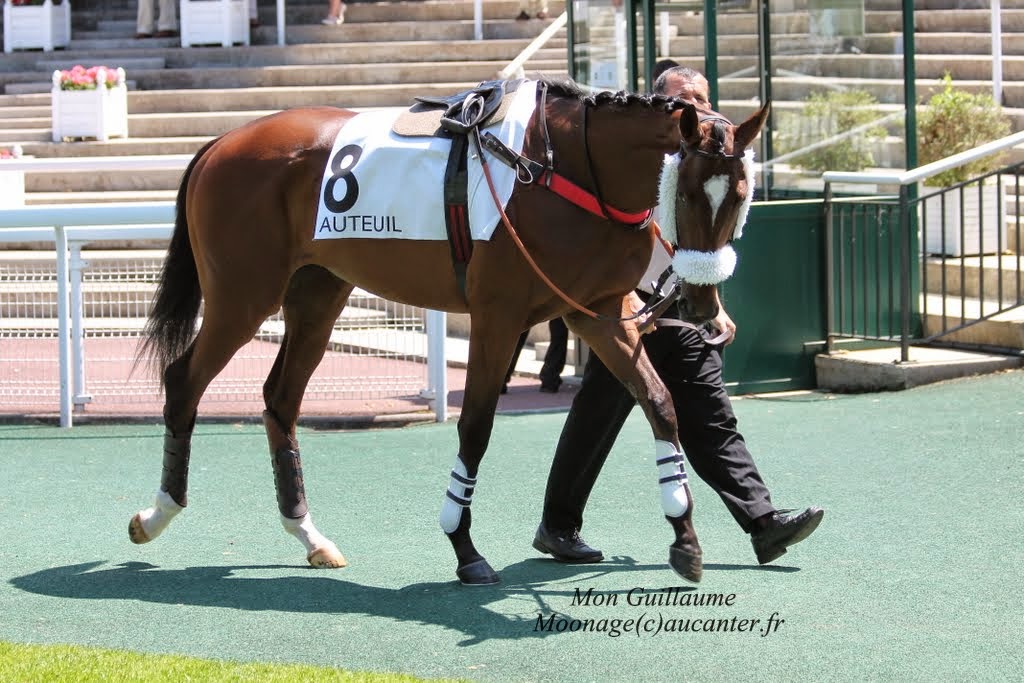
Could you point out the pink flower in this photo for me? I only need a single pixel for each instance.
(80, 78)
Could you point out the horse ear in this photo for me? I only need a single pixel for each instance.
(748, 130)
(689, 125)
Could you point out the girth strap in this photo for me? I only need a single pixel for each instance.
(456, 208)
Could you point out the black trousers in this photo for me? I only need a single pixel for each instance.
(715, 450)
(554, 358)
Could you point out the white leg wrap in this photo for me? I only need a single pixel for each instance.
(457, 497)
(671, 479)
(303, 529)
(155, 519)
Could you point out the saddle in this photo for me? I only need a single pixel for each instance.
(456, 117)
(434, 116)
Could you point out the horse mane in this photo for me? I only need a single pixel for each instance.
(570, 89)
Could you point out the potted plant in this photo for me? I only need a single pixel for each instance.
(955, 121)
(89, 103)
(35, 24)
(823, 125)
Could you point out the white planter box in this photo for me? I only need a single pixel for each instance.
(214, 22)
(101, 113)
(33, 27)
(989, 213)
(12, 188)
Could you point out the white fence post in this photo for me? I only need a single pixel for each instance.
(63, 334)
(437, 363)
(79, 397)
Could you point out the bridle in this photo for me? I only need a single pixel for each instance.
(529, 171)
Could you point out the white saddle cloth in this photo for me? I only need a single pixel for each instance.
(380, 185)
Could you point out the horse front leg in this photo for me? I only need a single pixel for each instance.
(490, 351)
(618, 345)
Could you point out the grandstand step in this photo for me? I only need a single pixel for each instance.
(113, 61)
(1003, 330)
(974, 276)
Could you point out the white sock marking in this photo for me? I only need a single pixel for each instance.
(303, 529)
(155, 519)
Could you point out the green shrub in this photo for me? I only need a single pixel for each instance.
(955, 121)
(826, 114)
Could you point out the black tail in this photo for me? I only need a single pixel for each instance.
(172, 320)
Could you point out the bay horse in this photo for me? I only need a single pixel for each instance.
(243, 245)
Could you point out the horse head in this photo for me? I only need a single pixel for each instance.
(704, 198)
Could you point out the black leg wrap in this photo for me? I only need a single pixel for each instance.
(291, 492)
(174, 478)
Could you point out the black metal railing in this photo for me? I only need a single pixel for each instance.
(922, 265)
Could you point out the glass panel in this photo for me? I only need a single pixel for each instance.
(836, 87)
(679, 34)
(600, 53)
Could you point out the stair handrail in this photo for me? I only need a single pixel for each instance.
(903, 177)
(515, 67)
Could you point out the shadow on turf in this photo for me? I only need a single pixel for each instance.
(548, 585)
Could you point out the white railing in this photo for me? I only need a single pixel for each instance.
(71, 226)
(921, 173)
(515, 67)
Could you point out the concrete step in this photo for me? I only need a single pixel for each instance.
(1004, 329)
(44, 86)
(326, 75)
(860, 67)
(129, 64)
(885, 90)
(117, 147)
(25, 135)
(881, 369)
(274, 55)
(47, 198)
(977, 276)
(693, 47)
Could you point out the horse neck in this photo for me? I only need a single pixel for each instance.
(623, 152)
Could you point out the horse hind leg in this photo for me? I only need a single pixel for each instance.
(224, 331)
(314, 300)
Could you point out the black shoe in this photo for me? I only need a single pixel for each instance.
(783, 530)
(565, 546)
(550, 386)
(522, 16)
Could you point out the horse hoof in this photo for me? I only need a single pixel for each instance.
(477, 573)
(327, 557)
(687, 562)
(136, 533)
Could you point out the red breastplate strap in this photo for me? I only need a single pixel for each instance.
(577, 195)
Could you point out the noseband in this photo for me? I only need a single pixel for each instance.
(693, 266)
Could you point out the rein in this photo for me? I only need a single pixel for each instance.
(529, 172)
